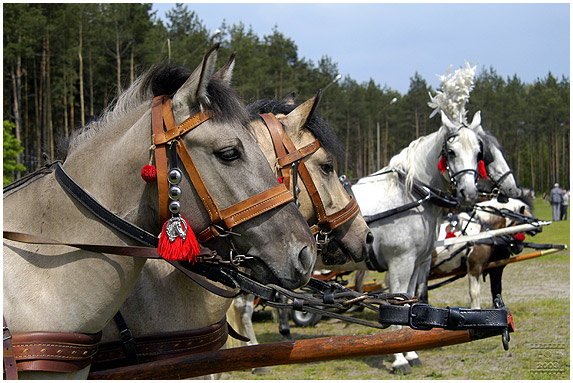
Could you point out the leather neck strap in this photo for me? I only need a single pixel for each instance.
(165, 132)
(287, 155)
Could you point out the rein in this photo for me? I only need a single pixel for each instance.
(289, 157)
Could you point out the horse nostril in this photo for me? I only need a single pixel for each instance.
(306, 258)
(369, 238)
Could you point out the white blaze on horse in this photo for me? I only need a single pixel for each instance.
(63, 289)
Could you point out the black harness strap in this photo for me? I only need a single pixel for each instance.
(101, 212)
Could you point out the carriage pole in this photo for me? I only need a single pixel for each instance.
(294, 352)
(501, 262)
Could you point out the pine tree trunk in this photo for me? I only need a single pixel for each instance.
(81, 74)
(49, 103)
(531, 162)
(132, 64)
(118, 64)
(91, 75)
(66, 120)
(347, 141)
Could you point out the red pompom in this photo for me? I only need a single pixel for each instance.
(281, 180)
(182, 246)
(442, 164)
(450, 234)
(519, 237)
(481, 170)
(149, 173)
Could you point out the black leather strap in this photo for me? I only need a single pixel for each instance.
(101, 212)
(127, 339)
(421, 316)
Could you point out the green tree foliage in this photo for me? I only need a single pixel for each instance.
(11, 149)
(42, 85)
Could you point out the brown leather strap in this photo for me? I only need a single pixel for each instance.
(54, 351)
(10, 369)
(179, 130)
(160, 159)
(130, 251)
(162, 346)
(256, 205)
(287, 154)
(198, 183)
(275, 128)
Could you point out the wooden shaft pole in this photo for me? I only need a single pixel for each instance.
(501, 262)
(292, 352)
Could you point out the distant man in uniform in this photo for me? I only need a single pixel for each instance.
(555, 199)
(564, 205)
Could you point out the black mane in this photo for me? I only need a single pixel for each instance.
(315, 124)
(223, 101)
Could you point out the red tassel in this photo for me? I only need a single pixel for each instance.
(149, 173)
(450, 234)
(442, 164)
(481, 170)
(519, 237)
(183, 247)
(281, 180)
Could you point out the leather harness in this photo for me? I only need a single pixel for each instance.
(67, 352)
(288, 155)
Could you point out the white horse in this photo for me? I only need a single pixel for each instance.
(403, 242)
(471, 259)
(60, 289)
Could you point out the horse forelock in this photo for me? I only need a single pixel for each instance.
(321, 129)
(221, 101)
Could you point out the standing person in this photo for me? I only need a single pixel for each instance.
(555, 199)
(564, 205)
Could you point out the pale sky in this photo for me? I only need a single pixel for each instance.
(390, 42)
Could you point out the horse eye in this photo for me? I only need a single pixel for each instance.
(327, 168)
(229, 154)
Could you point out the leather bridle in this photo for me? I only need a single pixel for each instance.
(288, 158)
(453, 178)
(168, 136)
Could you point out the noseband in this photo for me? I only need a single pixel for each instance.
(168, 136)
(288, 157)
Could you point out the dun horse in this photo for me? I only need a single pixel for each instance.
(61, 289)
(347, 229)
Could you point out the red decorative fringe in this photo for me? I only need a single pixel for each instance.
(481, 170)
(179, 249)
(519, 237)
(442, 164)
(450, 234)
(149, 173)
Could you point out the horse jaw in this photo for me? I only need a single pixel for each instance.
(194, 90)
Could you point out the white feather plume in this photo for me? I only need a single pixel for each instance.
(455, 94)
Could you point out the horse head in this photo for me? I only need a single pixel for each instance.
(333, 215)
(277, 244)
(498, 170)
(460, 150)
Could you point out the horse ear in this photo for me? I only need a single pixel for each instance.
(295, 120)
(447, 123)
(476, 121)
(194, 91)
(226, 72)
(290, 98)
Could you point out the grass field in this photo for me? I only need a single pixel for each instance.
(536, 291)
